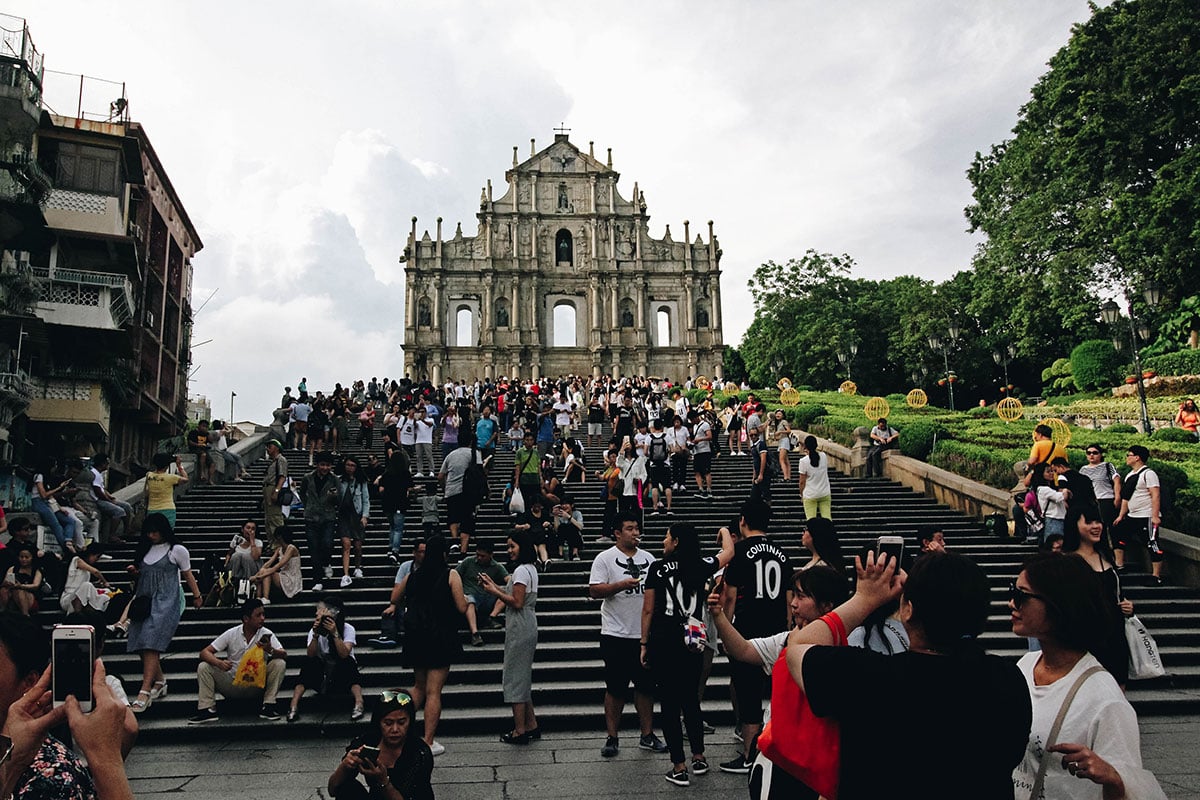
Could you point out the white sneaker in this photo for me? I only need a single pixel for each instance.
(437, 748)
(346, 581)
(266, 601)
(358, 573)
(328, 572)
(318, 587)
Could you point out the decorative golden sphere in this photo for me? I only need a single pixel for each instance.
(1010, 409)
(784, 384)
(731, 387)
(877, 407)
(917, 398)
(1061, 432)
(848, 387)
(701, 382)
(789, 397)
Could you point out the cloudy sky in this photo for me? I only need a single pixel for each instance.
(303, 136)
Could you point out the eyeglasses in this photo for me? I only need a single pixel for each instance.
(1018, 596)
(397, 696)
(1094, 452)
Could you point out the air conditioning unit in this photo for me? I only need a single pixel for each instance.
(135, 231)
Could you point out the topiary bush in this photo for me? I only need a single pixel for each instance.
(917, 438)
(1057, 378)
(897, 401)
(981, 413)
(1095, 363)
(1182, 362)
(803, 416)
(1173, 435)
(696, 396)
(1121, 427)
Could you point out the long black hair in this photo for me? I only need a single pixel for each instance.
(692, 575)
(526, 551)
(433, 569)
(154, 522)
(810, 444)
(825, 543)
(1071, 537)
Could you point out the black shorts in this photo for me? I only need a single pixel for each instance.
(623, 666)
(702, 463)
(660, 474)
(1138, 531)
(459, 511)
(751, 685)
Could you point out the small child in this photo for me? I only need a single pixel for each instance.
(515, 434)
(429, 509)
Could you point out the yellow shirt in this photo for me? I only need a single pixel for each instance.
(160, 489)
(1045, 450)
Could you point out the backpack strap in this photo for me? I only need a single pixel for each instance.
(1051, 740)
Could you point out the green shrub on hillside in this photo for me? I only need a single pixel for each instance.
(834, 428)
(1121, 427)
(1057, 379)
(696, 396)
(1182, 362)
(1094, 364)
(1185, 515)
(975, 462)
(804, 415)
(1173, 435)
(918, 437)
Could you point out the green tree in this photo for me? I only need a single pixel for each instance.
(733, 367)
(1100, 183)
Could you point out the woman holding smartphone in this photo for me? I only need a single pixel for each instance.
(393, 761)
(520, 635)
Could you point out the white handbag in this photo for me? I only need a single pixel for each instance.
(1144, 659)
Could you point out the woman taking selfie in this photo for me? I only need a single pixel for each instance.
(393, 761)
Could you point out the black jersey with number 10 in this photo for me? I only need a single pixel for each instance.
(760, 572)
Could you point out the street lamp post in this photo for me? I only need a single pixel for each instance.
(1002, 357)
(936, 343)
(847, 358)
(1111, 314)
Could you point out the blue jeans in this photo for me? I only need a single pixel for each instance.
(397, 531)
(60, 523)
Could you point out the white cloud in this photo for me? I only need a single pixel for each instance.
(303, 138)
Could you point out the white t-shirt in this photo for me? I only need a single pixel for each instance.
(232, 644)
(527, 576)
(1053, 504)
(425, 431)
(703, 430)
(1099, 717)
(621, 614)
(769, 648)
(408, 431)
(563, 414)
(816, 483)
(677, 438)
(640, 442)
(323, 645)
(178, 553)
(1139, 504)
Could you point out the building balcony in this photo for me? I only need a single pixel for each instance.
(84, 299)
(23, 181)
(20, 79)
(69, 210)
(78, 402)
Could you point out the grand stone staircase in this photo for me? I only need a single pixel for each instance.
(568, 685)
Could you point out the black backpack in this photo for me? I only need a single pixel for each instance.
(475, 487)
(658, 449)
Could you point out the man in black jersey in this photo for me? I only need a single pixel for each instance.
(623, 418)
(756, 600)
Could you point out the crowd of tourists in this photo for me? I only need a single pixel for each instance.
(834, 642)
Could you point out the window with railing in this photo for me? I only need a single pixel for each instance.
(82, 167)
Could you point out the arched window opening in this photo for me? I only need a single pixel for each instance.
(564, 325)
(564, 248)
(663, 318)
(463, 324)
(502, 313)
(701, 315)
(424, 318)
(626, 313)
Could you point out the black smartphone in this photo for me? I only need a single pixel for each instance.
(71, 664)
(368, 753)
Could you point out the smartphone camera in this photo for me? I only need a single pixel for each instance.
(892, 546)
(72, 658)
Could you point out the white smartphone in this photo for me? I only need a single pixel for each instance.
(71, 661)
(892, 546)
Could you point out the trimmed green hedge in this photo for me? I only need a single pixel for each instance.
(917, 438)
(803, 416)
(1173, 435)
(1182, 362)
(974, 462)
(1120, 427)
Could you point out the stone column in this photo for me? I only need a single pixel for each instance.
(514, 322)
(715, 293)
(614, 303)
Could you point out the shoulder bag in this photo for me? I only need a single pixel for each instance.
(808, 747)
(1052, 739)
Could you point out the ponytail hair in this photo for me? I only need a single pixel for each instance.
(810, 444)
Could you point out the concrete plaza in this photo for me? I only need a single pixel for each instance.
(563, 765)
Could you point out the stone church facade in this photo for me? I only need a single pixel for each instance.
(562, 277)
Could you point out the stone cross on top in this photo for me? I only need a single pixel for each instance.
(562, 130)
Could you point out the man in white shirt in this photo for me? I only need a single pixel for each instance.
(1140, 515)
(618, 579)
(563, 413)
(702, 440)
(219, 665)
(406, 430)
(424, 442)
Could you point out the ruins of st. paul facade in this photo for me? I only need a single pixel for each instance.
(562, 277)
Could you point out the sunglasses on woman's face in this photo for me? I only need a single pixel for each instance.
(395, 696)
(1019, 596)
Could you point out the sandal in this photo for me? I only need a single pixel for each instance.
(356, 714)
(293, 715)
(159, 689)
(141, 705)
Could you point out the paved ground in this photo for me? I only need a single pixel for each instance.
(562, 765)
